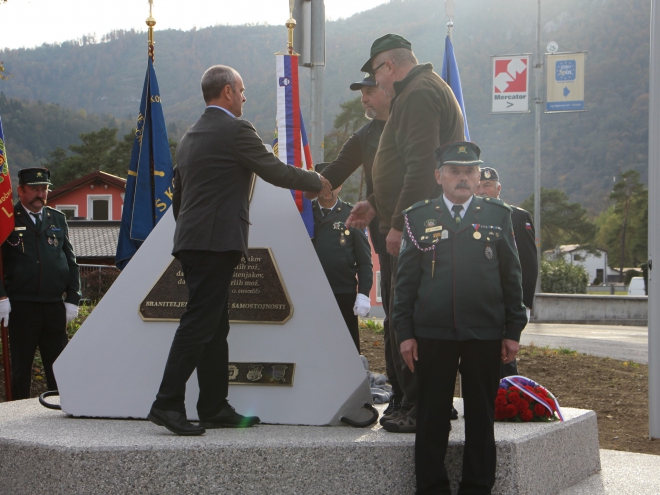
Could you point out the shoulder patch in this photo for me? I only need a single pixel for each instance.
(419, 204)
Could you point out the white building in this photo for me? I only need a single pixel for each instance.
(595, 263)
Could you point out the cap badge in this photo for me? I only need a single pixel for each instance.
(39, 174)
(487, 174)
(462, 149)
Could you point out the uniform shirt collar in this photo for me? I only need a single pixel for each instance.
(223, 109)
(31, 213)
(331, 208)
(465, 205)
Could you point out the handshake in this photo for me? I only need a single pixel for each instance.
(326, 189)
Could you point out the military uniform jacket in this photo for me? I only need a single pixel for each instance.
(39, 265)
(523, 228)
(343, 256)
(473, 291)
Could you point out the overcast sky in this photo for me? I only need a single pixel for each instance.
(29, 23)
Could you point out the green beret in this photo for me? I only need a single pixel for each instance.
(489, 173)
(34, 177)
(383, 44)
(458, 153)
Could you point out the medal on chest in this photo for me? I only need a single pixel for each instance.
(477, 234)
(342, 239)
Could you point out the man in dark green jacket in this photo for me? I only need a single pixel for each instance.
(344, 254)
(458, 306)
(39, 269)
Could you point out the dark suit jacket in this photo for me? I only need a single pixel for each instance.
(215, 162)
(523, 228)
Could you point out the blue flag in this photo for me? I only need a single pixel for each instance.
(149, 184)
(452, 77)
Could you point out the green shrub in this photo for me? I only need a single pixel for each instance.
(560, 277)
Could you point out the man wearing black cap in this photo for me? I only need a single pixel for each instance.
(424, 115)
(457, 307)
(360, 149)
(344, 254)
(41, 282)
(523, 228)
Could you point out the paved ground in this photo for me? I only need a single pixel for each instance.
(615, 341)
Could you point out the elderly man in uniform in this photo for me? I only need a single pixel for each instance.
(344, 254)
(523, 228)
(458, 307)
(41, 282)
(424, 115)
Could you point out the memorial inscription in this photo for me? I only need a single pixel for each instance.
(278, 374)
(257, 293)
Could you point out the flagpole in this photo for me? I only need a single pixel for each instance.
(538, 73)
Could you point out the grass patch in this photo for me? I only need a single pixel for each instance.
(372, 325)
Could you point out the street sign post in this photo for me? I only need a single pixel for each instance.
(510, 90)
(565, 82)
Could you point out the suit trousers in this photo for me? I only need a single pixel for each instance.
(346, 303)
(407, 380)
(436, 370)
(390, 346)
(32, 325)
(200, 341)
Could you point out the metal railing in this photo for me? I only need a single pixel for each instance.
(95, 280)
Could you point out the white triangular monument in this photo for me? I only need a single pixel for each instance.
(114, 364)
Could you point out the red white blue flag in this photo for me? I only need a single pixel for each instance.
(290, 144)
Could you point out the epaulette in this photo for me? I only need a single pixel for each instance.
(417, 205)
(50, 208)
(498, 202)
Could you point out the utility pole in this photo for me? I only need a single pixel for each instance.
(538, 74)
(654, 223)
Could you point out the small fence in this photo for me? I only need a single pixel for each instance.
(95, 280)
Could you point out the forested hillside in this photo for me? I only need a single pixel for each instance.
(582, 153)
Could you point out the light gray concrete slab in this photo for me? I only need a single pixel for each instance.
(623, 473)
(614, 341)
(45, 451)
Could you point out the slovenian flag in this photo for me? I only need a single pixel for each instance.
(291, 145)
(452, 77)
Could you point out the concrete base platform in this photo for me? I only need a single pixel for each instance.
(44, 451)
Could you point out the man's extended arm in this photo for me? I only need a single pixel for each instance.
(255, 156)
(363, 261)
(511, 282)
(73, 293)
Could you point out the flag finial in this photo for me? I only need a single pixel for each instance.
(449, 14)
(151, 22)
(290, 24)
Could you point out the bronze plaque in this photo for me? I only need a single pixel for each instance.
(278, 374)
(257, 293)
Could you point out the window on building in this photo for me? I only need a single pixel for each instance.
(99, 207)
(69, 211)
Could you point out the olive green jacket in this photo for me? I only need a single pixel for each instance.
(473, 290)
(40, 266)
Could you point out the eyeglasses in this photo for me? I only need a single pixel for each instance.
(373, 72)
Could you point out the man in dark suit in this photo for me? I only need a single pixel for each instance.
(215, 162)
(523, 229)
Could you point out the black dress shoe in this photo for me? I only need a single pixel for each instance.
(454, 413)
(174, 421)
(229, 418)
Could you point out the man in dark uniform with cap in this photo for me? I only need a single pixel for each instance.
(360, 149)
(457, 307)
(523, 229)
(41, 282)
(344, 254)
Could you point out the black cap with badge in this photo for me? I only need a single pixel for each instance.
(37, 176)
(383, 44)
(463, 153)
(489, 173)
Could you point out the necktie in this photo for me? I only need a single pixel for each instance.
(457, 213)
(37, 220)
(325, 211)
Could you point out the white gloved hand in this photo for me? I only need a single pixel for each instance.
(5, 309)
(529, 312)
(362, 305)
(71, 311)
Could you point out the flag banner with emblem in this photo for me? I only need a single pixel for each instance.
(453, 78)
(565, 82)
(290, 144)
(510, 90)
(6, 205)
(149, 183)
